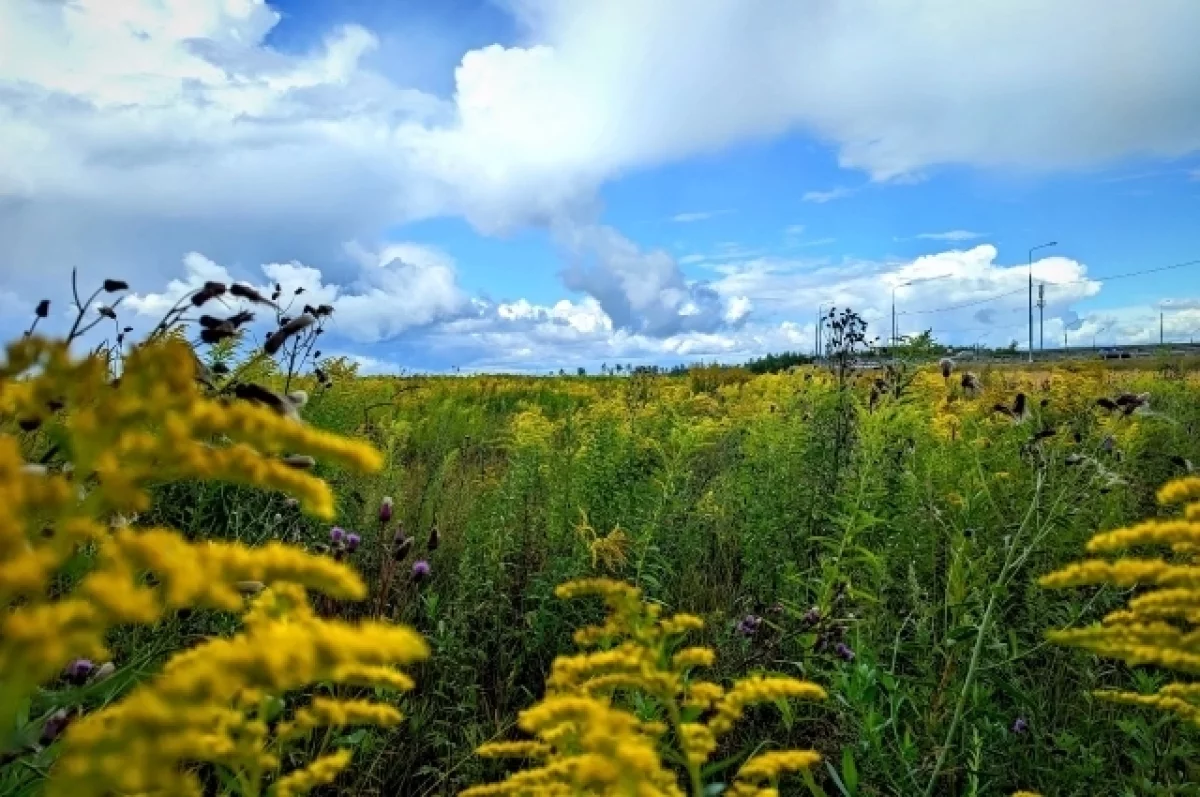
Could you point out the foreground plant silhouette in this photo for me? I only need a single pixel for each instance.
(100, 442)
(1161, 625)
(584, 743)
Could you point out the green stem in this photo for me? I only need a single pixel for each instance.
(813, 788)
(984, 627)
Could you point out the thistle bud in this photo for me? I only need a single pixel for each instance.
(352, 542)
(78, 670)
(337, 534)
(385, 509)
(43, 308)
(433, 539)
(104, 672)
(56, 723)
(112, 286)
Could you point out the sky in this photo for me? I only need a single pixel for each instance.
(528, 185)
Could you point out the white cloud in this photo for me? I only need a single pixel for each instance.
(700, 215)
(402, 287)
(640, 291)
(821, 197)
(794, 230)
(951, 235)
(973, 295)
(135, 132)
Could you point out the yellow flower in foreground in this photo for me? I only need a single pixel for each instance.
(1159, 625)
(113, 439)
(207, 704)
(585, 742)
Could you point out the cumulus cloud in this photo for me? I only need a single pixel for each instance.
(135, 132)
(962, 295)
(640, 291)
(399, 288)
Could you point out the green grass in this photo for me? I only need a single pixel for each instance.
(765, 497)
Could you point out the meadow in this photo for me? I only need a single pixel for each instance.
(878, 533)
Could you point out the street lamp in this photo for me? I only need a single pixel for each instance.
(895, 332)
(1031, 251)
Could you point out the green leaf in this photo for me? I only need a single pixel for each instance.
(849, 770)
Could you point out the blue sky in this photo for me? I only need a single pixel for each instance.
(535, 184)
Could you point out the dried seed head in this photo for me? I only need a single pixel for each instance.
(250, 294)
(107, 312)
(300, 461)
(324, 310)
(401, 546)
(249, 391)
(218, 333)
(43, 308)
(280, 336)
(112, 286)
(433, 539)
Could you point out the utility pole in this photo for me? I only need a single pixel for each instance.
(1065, 344)
(1031, 251)
(1041, 317)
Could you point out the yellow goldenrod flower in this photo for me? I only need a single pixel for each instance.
(769, 766)
(759, 689)
(320, 772)
(584, 744)
(116, 438)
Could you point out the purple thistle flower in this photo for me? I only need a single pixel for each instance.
(352, 542)
(1020, 725)
(843, 651)
(337, 534)
(748, 625)
(385, 509)
(55, 724)
(421, 570)
(812, 616)
(79, 670)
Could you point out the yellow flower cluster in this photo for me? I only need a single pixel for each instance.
(587, 743)
(210, 703)
(102, 443)
(1159, 626)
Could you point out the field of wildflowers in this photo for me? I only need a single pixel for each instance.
(245, 570)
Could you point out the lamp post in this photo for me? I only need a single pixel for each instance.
(895, 331)
(1031, 251)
